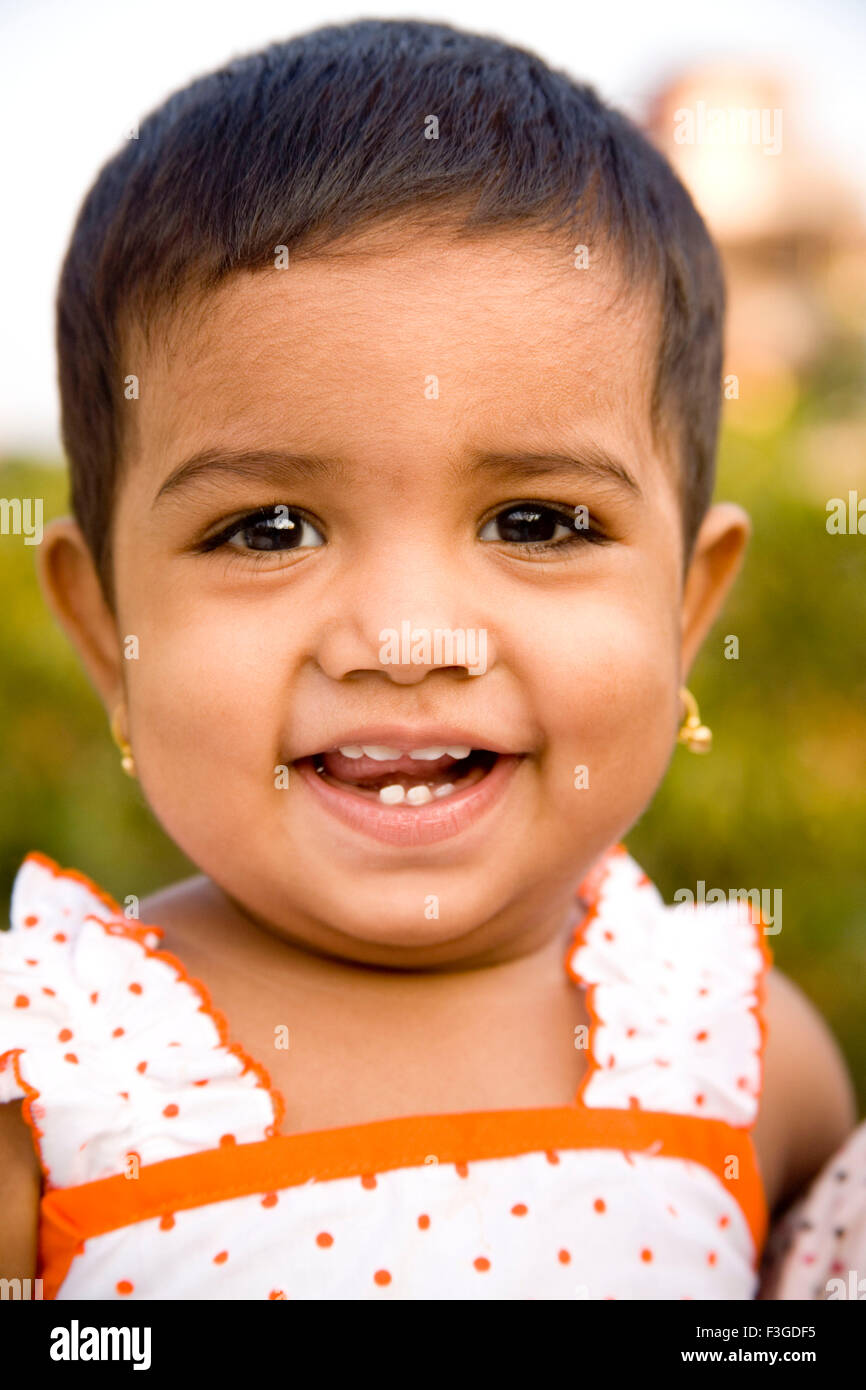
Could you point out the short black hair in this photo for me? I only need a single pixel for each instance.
(322, 134)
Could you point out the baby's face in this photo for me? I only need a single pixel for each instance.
(416, 383)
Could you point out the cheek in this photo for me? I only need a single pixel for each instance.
(608, 682)
(205, 699)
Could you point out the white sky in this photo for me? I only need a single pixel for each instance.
(75, 73)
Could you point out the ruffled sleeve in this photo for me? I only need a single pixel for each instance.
(675, 995)
(114, 1050)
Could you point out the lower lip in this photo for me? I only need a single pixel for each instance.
(418, 825)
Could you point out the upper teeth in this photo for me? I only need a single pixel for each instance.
(380, 754)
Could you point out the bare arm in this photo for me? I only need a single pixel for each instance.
(20, 1191)
(808, 1105)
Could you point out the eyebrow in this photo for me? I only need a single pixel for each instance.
(258, 465)
(255, 464)
(588, 461)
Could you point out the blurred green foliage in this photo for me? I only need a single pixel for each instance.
(63, 789)
(779, 804)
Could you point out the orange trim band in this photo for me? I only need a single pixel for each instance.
(71, 1215)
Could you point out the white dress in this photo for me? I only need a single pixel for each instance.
(167, 1174)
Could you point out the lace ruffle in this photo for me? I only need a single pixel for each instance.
(675, 996)
(115, 1049)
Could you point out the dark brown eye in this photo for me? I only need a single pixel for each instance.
(270, 528)
(529, 523)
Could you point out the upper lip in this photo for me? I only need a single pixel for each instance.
(405, 738)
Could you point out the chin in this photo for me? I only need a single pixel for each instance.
(405, 936)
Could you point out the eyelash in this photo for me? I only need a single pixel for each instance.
(590, 534)
(577, 536)
(244, 523)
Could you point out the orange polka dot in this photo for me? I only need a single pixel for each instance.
(609, 936)
(742, 1082)
(424, 1222)
(634, 1103)
(118, 1033)
(270, 1200)
(226, 1139)
(520, 1209)
(382, 1276)
(462, 1170)
(611, 1061)
(712, 1257)
(724, 1221)
(170, 1111)
(31, 921)
(166, 1222)
(672, 1211)
(124, 1286)
(564, 1257)
(59, 936)
(46, 989)
(481, 1264)
(64, 1035)
(21, 1001)
(600, 1204)
(135, 988)
(703, 990)
(200, 1083)
(276, 1293)
(646, 1255)
(630, 1032)
(368, 1180)
(221, 1258)
(702, 1035)
(324, 1239)
(70, 1057)
(32, 962)
(551, 1156)
(700, 1098)
(125, 1094)
(94, 996)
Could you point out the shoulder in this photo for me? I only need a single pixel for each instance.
(179, 903)
(188, 915)
(808, 1105)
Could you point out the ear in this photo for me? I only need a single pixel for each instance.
(70, 585)
(716, 559)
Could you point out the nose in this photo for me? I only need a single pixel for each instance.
(403, 616)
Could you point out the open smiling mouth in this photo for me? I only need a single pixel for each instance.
(390, 777)
(409, 796)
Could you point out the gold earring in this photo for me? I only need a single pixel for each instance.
(127, 761)
(695, 735)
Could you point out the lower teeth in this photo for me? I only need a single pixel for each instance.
(416, 796)
(422, 792)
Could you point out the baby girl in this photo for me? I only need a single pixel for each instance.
(390, 369)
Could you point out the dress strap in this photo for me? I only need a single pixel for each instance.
(675, 995)
(115, 1051)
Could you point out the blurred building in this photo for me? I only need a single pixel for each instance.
(788, 224)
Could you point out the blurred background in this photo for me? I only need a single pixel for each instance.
(780, 802)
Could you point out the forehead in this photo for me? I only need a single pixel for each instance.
(385, 340)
